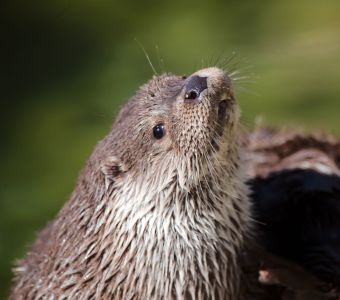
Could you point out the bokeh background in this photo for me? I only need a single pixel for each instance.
(68, 65)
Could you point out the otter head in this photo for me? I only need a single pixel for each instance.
(177, 122)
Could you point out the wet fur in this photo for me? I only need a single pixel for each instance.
(149, 220)
(295, 182)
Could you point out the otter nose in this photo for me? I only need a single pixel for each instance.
(212, 82)
(195, 86)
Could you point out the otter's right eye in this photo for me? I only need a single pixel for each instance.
(159, 131)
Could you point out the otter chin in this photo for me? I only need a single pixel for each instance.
(160, 210)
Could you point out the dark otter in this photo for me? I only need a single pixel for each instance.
(160, 211)
(295, 184)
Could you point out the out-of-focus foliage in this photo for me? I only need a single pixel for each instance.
(67, 66)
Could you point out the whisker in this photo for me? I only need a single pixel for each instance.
(160, 60)
(147, 57)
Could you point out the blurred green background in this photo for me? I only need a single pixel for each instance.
(67, 66)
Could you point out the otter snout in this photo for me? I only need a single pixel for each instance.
(212, 85)
(212, 82)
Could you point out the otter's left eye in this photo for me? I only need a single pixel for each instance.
(159, 131)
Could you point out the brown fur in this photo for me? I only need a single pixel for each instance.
(151, 219)
(271, 151)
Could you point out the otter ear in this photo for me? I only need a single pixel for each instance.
(112, 167)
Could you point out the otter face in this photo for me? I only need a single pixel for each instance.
(187, 117)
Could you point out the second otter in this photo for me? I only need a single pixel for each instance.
(160, 210)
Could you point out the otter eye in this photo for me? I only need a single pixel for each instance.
(159, 131)
(191, 95)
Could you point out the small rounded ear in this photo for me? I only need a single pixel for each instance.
(112, 167)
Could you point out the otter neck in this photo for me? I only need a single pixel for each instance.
(173, 241)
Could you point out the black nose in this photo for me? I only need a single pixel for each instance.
(195, 86)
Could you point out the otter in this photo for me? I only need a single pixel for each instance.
(295, 191)
(160, 210)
